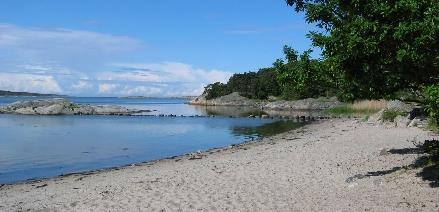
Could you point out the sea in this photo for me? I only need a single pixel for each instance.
(35, 146)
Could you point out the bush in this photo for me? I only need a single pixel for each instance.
(432, 102)
(431, 147)
(391, 114)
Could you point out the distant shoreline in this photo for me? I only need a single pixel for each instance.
(26, 94)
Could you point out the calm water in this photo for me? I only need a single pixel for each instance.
(43, 146)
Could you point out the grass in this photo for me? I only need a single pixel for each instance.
(363, 107)
(391, 114)
(433, 126)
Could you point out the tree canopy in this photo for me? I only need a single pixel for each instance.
(255, 85)
(378, 47)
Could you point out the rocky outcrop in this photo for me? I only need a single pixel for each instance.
(58, 106)
(234, 99)
(410, 115)
(400, 106)
(303, 104)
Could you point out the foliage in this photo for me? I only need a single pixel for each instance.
(254, 85)
(376, 47)
(431, 147)
(215, 90)
(301, 76)
(391, 114)
(432, 102)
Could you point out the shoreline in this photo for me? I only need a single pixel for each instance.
(329, 158)
(189, 156)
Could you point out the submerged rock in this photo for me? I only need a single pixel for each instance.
(58, 106)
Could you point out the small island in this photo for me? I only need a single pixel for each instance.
(13, 93)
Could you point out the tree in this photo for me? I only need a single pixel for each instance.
(301, 76)
(254, 85)
(377, 47)
(215, 90)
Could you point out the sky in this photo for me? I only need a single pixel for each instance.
(140, 47)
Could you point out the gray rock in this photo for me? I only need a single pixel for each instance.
(377, 117)
(234, 99)
(402, 121)
(63, 107)
(399, 106)
(415, 122)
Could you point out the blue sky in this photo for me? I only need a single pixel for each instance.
(134, 47)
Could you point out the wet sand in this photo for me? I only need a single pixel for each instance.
(331, 165)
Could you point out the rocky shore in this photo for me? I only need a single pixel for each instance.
(330, 165)
(59, 106)
(234, 99)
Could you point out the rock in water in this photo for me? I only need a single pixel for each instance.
(57, 106)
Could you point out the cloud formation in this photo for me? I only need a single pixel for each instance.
(77, 62)
(29, 83)
(162, 79)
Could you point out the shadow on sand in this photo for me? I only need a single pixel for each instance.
(427, 160)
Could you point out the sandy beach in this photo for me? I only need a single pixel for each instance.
(331, 165)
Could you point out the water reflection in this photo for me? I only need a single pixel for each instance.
(41, 146)
(267, 129)
(247, 111)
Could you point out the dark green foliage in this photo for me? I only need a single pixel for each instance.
(431, 147)
(377, 47)
(301, 76)
(254, 85)
(432, 102)
(215, 90)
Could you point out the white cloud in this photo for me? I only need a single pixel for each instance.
(108, 88)
(39, 39)
(58, 50)
(82, 63)
(81, 85)
(141, 90)
(168, 72)
(174, 79)
(29, 83)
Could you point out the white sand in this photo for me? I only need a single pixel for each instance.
(303, 170)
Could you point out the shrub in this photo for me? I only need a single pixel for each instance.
(360, 107)
(432, 102)
(431, 147)
(391, 114)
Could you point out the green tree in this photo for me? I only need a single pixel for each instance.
(432, 102)
(301, 76)
(215, 90)
(254, 85)
(377, 47)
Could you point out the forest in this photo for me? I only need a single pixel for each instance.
(370, 50)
